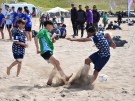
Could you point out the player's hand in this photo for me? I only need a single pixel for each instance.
(26, 45)
(113, 45)
(53, 40)
(38, 52)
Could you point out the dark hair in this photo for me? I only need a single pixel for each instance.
(6, 5)
(20, 21)
(13, 7)
(91, 29)
(63, 25)
(48, 23)
(27, 11)
(25, 7)
(20, 9)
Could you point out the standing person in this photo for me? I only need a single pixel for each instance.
(119, 18)
(46, 51)
(96, 17)
(47, 17)
(105, 19)
(89, 17)
(18, 47)
(28, 25)
(42, 20)
(20, 13)
(99, 58)
(2, 17)
(81, 18)
(14, 20)
(8, 21)
(73, 19)
(62, 19)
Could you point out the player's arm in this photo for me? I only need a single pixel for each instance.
(113, 45)
(80, 40)
(21, 43)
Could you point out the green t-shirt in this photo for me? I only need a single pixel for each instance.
(45, 41)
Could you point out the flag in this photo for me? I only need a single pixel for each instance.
(130, 2)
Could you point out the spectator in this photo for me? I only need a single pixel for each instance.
(73, 19)
(81, 18)
(63, 31)
(47, 17)
(28, 25)
(62, 19)
(105, 19)
(110, 25)
(54, 21)
(42, 20)
(8, 21)
(56, 31)
(2, 17)
(119, 18)
(96, 17)
(89, 17)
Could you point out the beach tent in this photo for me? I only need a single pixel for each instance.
(56, 10)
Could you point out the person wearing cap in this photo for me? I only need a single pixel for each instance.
(89, 17)
(96, 17)
(73, 19)
(2, 17)
(81, 19)
(8, 21)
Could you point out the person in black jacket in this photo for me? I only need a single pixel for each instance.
(81, 19)
(96, 17)
(73, 19)
(119, 18)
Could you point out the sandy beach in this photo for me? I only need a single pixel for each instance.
(31, 84)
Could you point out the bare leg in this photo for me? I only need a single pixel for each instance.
(56, 64)
(27, 36)
(10, 36)
(30, 37)
(12, 65)
(2, 34)
(94, 77)
(19, 68)
(53, 73)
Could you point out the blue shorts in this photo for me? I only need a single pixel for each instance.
(98, 61)
(16, 56)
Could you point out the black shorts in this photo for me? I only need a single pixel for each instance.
(47, 55)
(98, 61)
(16, 56)
(9, 26)
(2, 27)
(27, 28)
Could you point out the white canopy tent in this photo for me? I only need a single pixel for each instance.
(56, 9)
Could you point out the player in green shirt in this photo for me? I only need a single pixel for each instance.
(46, 51)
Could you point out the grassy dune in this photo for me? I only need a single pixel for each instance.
(101, 4)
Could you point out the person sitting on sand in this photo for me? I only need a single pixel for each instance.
(56, 31)
(63, 31)
(99, 58)
(116, 26)
(18, 47)
(46, 51)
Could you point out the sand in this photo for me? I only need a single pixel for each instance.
(31, 84)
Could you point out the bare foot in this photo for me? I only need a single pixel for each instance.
(8, 71)
(49, 83)
(67, 78)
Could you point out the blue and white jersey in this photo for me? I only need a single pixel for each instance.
(20, 37)
(102, 44)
